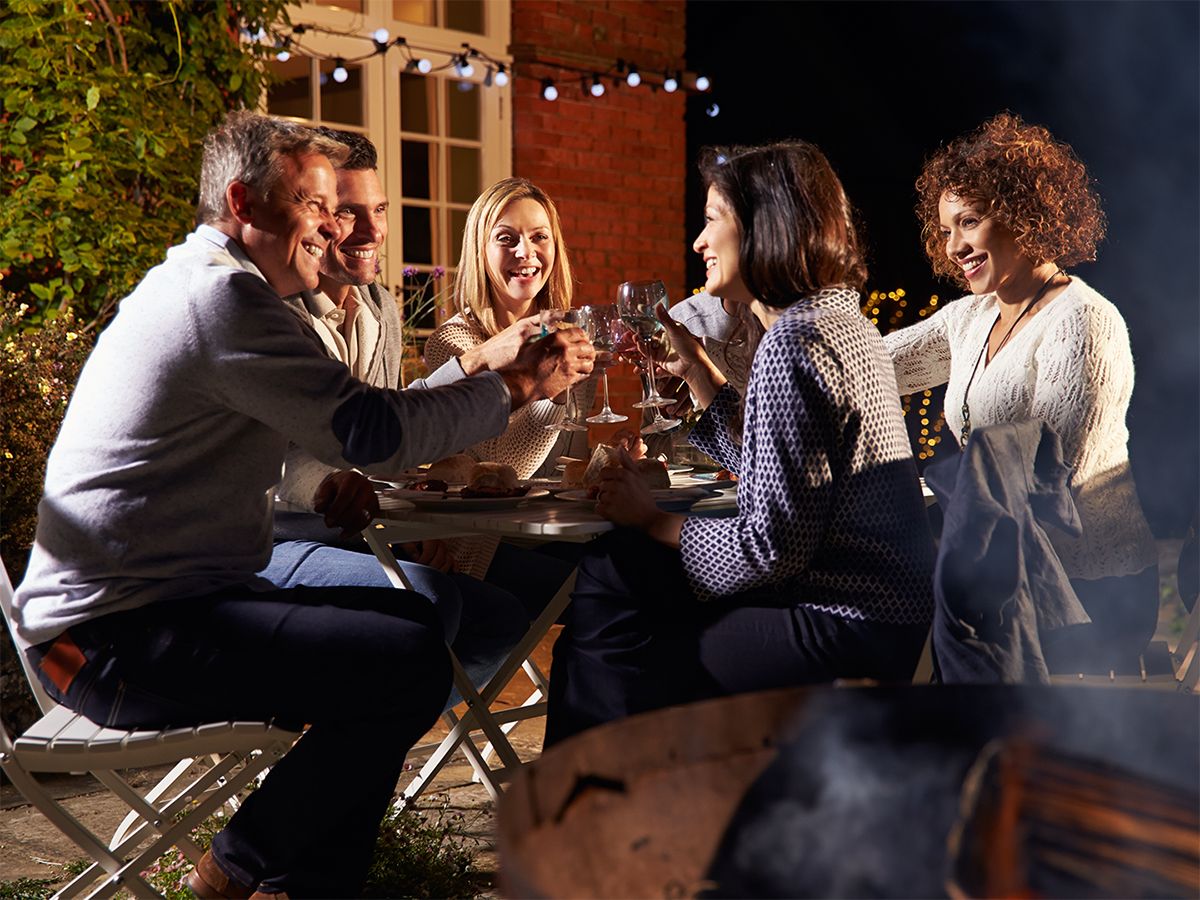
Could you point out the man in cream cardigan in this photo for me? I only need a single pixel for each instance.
(358, 322)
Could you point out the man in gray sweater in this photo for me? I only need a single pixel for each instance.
(141, 607)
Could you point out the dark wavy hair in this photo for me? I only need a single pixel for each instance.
(1033, 183)
(798, 233)
(797, 227)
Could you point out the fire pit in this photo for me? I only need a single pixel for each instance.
(817, 792)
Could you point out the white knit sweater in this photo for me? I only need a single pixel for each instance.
(1071, 366)
(524, 445)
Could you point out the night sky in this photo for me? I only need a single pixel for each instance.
(879, 86)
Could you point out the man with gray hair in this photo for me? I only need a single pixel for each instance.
(141, 607)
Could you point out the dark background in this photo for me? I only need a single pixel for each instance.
(879, 86)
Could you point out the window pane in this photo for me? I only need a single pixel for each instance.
(420, 294)
(341, 101)
(464, 174)
(458, 222)
(463, 107)
(352, 5)
(417, 222)
(465, 15)
(418, 11)
(416, 103)
(416, 170)
(292, 95)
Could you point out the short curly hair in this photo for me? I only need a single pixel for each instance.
(1030, 181)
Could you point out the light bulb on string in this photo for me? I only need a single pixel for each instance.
(502, 76)
(381, 36)
(702, 83)
(283, 44)
(424, 66)
(463, 67)
(340, 75)
(633, 79)
(671, 83)
(597, 88)
(549, 91)
(712, 110)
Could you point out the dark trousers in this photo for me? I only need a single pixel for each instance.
(637, 639)
(366, 668)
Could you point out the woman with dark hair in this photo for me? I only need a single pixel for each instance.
(825, 570)
(1006, 210)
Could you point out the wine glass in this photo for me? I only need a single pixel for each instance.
(598, 322)
(571, 419)
(637, 302)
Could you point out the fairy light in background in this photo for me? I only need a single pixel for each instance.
(889, 310)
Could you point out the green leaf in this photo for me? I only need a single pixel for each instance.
(79, 142)
(235, 81)
(93, 97)
(24, 123)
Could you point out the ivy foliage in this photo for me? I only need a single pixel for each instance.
(105, 104)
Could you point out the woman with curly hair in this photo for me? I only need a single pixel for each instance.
(1006, 210)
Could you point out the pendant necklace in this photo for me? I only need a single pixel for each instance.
(966, 409)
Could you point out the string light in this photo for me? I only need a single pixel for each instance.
(549, 91)
(496, 72)
(712, 110)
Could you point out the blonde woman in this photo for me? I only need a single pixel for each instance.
(514, 264)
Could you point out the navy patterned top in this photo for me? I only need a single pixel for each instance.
(830, 512)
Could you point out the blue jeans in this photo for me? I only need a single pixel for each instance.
(366, 669)
(482, 622)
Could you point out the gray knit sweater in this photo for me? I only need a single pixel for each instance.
(159, 485)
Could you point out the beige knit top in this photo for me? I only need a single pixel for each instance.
(524, 445)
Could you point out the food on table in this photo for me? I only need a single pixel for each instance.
(631, 441)
(724, 475)
(430, 484)
(493, 479)
(573, 473)
(453, 469)
(654, 473)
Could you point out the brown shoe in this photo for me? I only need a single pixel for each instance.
(209, 882)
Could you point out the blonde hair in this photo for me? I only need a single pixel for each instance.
(474, 294)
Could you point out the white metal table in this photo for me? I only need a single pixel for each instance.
(539, 521)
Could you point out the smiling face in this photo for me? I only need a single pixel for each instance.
(520, 255)
(353, 257)
(287, 232)
(720, 245)
(982, 246)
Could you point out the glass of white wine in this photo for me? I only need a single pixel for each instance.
(571, 409)
(599, 321)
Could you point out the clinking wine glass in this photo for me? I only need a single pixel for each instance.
(571, 421)
(637, 302)
(598, 322)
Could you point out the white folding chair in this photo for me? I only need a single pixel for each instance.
(229, 756)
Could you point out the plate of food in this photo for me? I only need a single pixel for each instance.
(713, 481)
(489, 485)
(677, 499)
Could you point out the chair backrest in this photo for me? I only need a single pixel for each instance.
(45, 704)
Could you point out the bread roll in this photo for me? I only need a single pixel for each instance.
(573, 473)
(495, 478)
(654, 473)
(453, 469)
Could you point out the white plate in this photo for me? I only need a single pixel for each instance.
(709, 481)
(668, 499)
(678, 468)
(452, 502)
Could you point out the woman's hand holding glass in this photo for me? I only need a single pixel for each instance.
(689, 361)
(566, 318)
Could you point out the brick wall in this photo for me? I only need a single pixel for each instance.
(615, 165)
